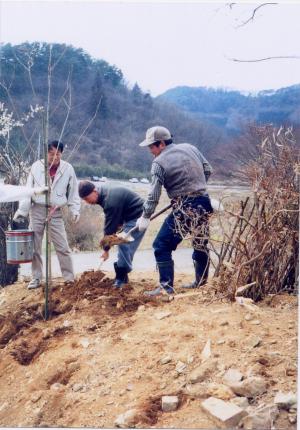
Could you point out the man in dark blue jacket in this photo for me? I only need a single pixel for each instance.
(122, 207)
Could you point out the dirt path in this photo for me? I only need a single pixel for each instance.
(100, 353)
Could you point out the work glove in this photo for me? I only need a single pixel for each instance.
(19, 217)
(142, 223)
(40, 190)
(216, 205)
(75, 218)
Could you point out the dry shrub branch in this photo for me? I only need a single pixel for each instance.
(259, 254)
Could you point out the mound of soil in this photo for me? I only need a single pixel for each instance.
(93, 291)
(95, 287)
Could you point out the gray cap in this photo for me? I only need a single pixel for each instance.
(155, 134)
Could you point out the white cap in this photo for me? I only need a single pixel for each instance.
(156, 134)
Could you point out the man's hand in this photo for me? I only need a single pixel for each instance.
(40, 190)
(75, 218)
(142, 223)
(18, 217)
(105, 255)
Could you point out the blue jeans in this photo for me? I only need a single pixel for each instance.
(168, 239)
(126, 251)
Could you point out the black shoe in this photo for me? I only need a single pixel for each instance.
(121, 276)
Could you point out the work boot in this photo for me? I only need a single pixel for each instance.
(34, 283)
(166, 280)
(121, 276)
(201, 274)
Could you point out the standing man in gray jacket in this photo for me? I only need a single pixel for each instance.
(183, 171)
(64, 192)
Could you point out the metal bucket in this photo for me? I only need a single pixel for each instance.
(19, 246)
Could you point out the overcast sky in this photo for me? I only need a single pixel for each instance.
(163, 45)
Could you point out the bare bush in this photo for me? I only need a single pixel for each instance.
(259, 254)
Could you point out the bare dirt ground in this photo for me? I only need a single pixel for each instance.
(101, 353)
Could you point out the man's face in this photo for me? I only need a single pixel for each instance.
(156, 150)
(54, 157)
(92, 198)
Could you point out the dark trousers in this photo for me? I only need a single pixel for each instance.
(191, 213)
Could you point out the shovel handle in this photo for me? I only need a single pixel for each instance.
(101, 262)
(164, 209)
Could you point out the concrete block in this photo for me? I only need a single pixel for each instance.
(224, 414)
(169, 403)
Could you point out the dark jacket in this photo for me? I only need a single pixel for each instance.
(119, 205)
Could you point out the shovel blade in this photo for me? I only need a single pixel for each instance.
(126, 237)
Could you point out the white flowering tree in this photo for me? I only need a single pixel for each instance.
(12, 162)
(13, 168)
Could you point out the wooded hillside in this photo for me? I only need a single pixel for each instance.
(83, 91)
(110, 145)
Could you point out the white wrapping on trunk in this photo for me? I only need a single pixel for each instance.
(13, 193)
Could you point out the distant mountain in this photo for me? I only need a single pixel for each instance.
(232, 109)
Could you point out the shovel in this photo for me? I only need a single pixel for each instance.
(127, 236)
(101, 262)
